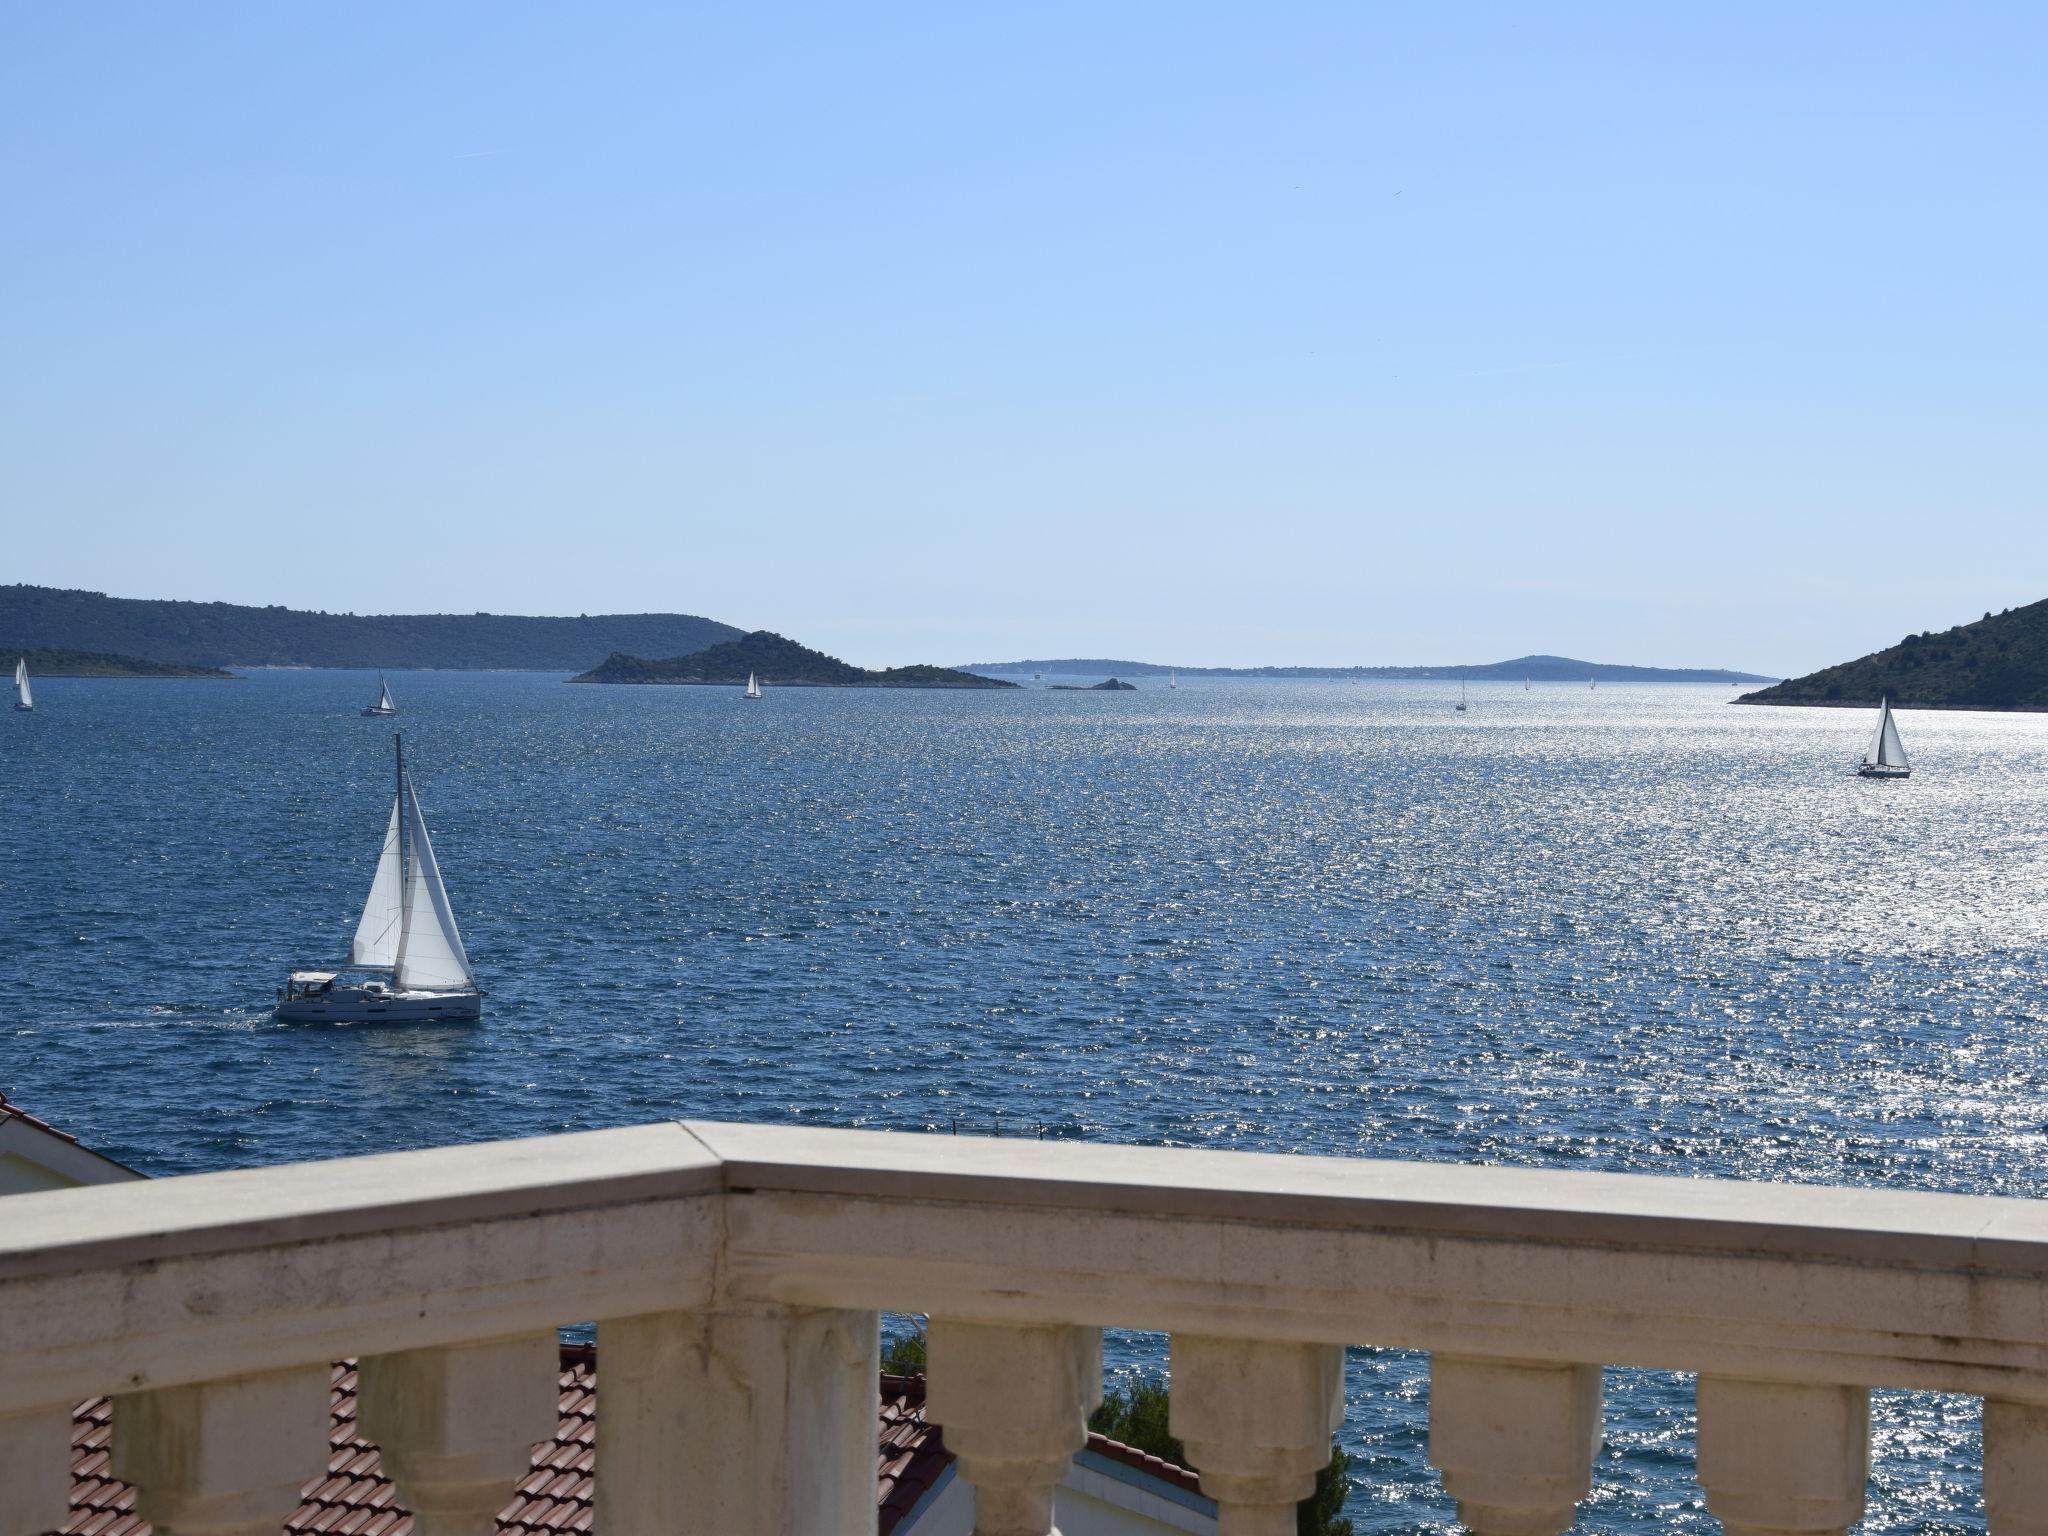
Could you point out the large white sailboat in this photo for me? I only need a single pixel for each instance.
(23, 699)
(407, 964)
(1885, 757)
(753, 687)
(383, 706)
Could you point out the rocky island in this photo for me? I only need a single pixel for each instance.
(1998, 662)
(779, 663)
(1114, 685)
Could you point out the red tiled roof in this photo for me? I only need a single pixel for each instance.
(11, 1111)
(353, 1498)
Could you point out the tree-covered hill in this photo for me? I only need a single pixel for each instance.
(1998, 662)
(777, 662)
(230, 634)
(48, 663)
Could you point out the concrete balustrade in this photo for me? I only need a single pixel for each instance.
(735, 1273)
(457, 1425)
(1014, 1404)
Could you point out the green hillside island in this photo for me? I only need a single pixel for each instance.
(778, 663)
(1999, 662)
(49, 663)
(1539, 669)
(233, 635)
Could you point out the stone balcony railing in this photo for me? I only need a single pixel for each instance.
(735, 1272)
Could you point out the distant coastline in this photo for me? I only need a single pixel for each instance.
(239, 635)
(1539, 669)
(47, 662)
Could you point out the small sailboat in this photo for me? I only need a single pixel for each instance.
(1461, 693)
(1885, 757)
(23, 699)
(753, 687)
(1173, 679)
(407, 964)
(383, 706)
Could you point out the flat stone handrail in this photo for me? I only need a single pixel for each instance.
(749, 1260)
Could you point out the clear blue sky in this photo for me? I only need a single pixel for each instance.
(1217, 334)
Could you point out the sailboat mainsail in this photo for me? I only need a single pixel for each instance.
(753, 686)
(384, 696)
(1885, 757)
(23, 699)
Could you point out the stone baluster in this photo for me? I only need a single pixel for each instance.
(737, 1421)
(2016, 1468)
(457, 1424)
(35, 1470)
(1783, 1459)
(1256, 1419)
(1514, 1442)
(224, 1458)
(1013, 1403)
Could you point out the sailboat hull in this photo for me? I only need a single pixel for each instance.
(379, 1005)
(372, 712)
(1882, 771)
(24, 706)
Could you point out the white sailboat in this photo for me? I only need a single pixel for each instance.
(1461, 693)
(1885, 757)
(1173, 679)
(23, 699)
(753, 687)
(407, 964)
(383, 706)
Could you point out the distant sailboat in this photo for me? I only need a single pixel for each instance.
(383, 706)
(1885, 757)
(23, 699)
(407, 964)
(1173, 679)
(753, 687)
(1461, 693)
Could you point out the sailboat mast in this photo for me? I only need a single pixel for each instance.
(404, 865)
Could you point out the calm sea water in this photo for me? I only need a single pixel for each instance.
(1634, 929)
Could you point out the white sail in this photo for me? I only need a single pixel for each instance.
(376, 941)
(384, 695)
(1885, 749)
(430, 953)
(753, 687)
(28, 700)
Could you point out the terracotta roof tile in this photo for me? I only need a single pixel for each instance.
(352, 1497)
(13, 1111)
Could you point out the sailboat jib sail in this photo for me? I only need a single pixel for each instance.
(407, 961)
(23, 698)
(1885, 756)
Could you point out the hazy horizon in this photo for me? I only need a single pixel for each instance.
(1316, 336)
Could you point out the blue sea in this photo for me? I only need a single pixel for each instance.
(1636, 928)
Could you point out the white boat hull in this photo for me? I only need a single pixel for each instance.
(372, 712)
(362, 1005)
(1882, 771)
